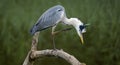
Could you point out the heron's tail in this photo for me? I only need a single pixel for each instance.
(33, 30)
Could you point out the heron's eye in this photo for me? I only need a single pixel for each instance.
(81, 27)
(59, 10)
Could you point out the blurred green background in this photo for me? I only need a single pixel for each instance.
(102, 39)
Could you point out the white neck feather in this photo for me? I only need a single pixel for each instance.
(72, 21)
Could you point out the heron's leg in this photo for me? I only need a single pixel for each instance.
(53, 35)
(63, 30)
(56, 32)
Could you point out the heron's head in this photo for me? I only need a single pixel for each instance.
(80, 27)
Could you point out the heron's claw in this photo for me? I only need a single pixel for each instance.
(54, 49)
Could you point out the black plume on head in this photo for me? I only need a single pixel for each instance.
(81, 27)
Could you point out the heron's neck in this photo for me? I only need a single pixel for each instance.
(71, 21)
(67, 21)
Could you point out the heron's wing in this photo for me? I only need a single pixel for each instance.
(50, 18)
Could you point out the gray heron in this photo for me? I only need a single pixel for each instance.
(55, 15)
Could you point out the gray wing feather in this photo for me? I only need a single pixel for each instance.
(49, 18)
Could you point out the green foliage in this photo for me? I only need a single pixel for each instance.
(101, 39)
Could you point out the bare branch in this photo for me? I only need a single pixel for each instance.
(33, 54)
(35, 41)
(59, 53)
(27, 60)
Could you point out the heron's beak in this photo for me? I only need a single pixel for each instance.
(81, 38)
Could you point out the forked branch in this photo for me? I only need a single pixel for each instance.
(33, 54)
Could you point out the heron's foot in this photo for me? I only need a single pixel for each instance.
(54, 49)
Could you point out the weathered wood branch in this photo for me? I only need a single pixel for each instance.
(33, 54)
(59, 53)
